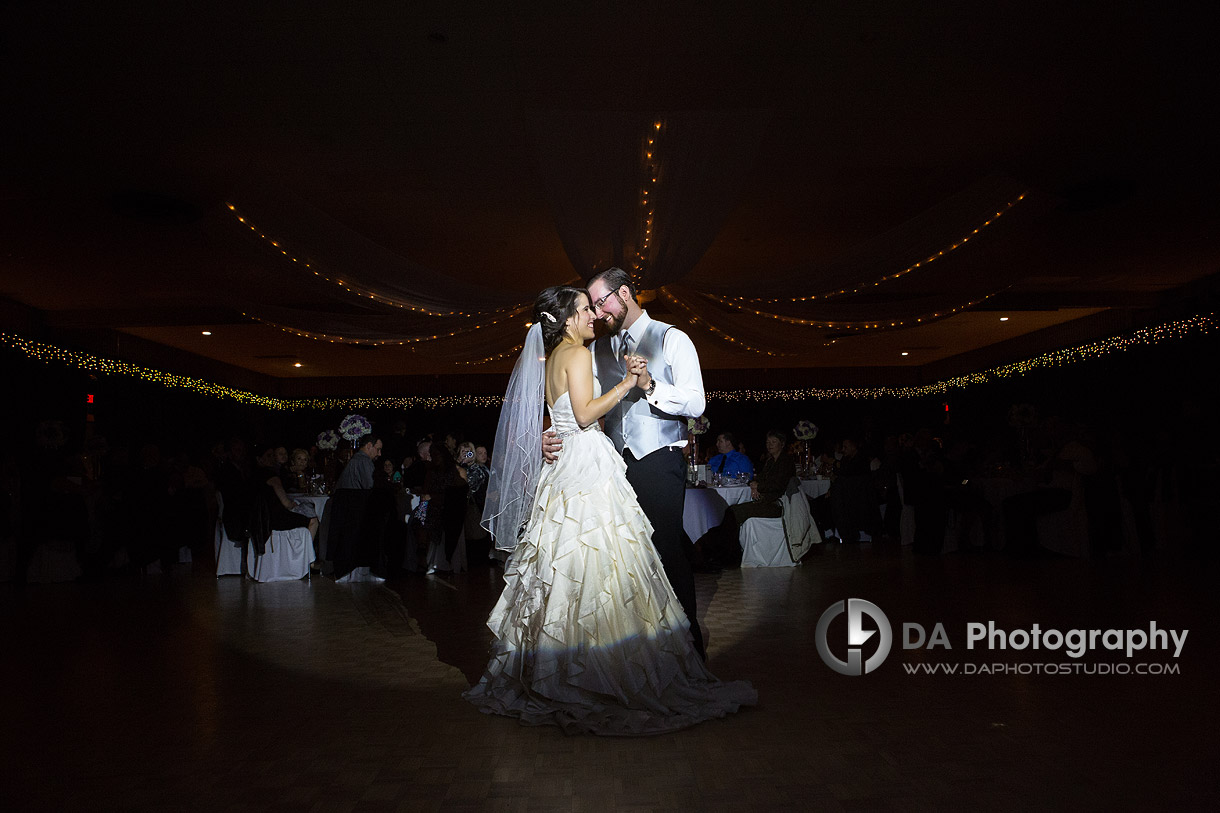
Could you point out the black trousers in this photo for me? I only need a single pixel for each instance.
(659, 480)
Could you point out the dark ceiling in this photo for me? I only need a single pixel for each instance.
(459, 156)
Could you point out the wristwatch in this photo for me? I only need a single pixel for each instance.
(652, 387)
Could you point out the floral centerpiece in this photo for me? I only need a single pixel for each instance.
(328, 440)
(805, 431)
(354, 427)
(695, 427)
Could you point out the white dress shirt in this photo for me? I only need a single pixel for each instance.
(685, 397)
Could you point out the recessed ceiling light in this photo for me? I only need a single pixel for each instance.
(207, 333)
(298, 364)
(1003, 318)
(905, 353)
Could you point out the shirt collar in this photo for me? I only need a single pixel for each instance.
(638, 327)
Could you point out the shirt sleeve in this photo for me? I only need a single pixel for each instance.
(684, 397)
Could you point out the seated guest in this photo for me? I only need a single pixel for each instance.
(729, 462)
(721, 546)
(298, 470)
(387, 476)
(281, 462)
(270, 489)
(770, 481)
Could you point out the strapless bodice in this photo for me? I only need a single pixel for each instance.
(563, 419)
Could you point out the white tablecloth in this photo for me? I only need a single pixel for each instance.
(704, 508)
(815, 488)
(317, 502)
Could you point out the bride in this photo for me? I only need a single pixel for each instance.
(589, 635)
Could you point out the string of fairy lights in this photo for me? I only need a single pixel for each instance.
(854, 325)
(1199, 324)
(353, 288)
(931, 258)
(697, 320)
(327, 337)
(648, 186)
(509, 353)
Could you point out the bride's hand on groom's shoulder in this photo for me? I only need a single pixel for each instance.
(552, 445)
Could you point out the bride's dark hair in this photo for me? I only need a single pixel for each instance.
(552, 309)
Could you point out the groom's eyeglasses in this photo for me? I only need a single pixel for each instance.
(597, 303)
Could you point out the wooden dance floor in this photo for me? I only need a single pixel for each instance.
(184, 692)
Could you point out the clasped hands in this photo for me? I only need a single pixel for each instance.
(637, 366)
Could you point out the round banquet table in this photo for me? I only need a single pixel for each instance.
(815, 487)
(705, 507)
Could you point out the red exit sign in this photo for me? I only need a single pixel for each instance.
(89, 398)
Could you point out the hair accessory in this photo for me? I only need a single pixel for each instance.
(548, 316)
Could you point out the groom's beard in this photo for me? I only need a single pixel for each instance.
(615, 323)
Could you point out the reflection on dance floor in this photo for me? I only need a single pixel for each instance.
(232, 694)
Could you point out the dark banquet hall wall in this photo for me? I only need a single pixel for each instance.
(1136, 393)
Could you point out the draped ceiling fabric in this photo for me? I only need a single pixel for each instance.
(649, 193)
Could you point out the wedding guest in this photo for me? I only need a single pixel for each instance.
(281, 462)
(354, 540)
(358, 473)
(476, 470)
(478, 540)
(1066, 462)
(413, 476)
(231, 481)
(438, 519)
(853, 500)
(451, 443)
(481, 461)
(720, 546)
(728, 462)
(387, 475)
(279, 505)
(397, 448)
(924, 487)
(299, 469)
(389, 514)
(770, 481)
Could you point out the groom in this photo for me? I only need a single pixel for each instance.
(648, 427)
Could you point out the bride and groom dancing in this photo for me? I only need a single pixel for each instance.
(595, 630)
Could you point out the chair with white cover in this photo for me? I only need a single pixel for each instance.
(780, 541)
(228, 554)
(286, 557)
(906, 519)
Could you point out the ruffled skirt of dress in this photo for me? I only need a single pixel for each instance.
(589, 634)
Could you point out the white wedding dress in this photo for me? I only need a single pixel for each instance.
(589, 634)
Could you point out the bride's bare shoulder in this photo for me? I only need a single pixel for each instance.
(572, 354)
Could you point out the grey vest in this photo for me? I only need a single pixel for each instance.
(634, 423)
